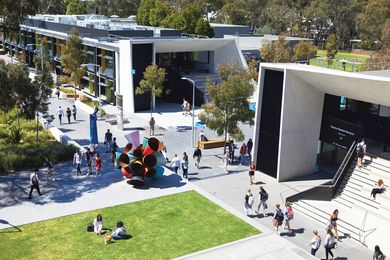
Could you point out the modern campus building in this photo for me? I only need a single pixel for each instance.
(119, 50)
(308, 117)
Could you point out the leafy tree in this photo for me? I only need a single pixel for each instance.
(303, 50)
(229, 104)
(331, 48)
(6, 93)
(152, 83)
(122, 8)
(72, 56)
(143, 12)
(385, 37)
(190, 16)
(52, 7)
(276, 51)
(42, 59)
(157, 14)
(75, 7)
(235, 12)
(203, 28)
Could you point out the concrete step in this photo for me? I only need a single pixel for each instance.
(358, 198)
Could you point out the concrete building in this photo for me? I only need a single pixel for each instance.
(308, 117)
(119, 50)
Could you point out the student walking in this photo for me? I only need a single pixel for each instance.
(225, 161)
(108, 140)
(34, 183)
(151, 125)
(49, 168)
(378, 255)
(248, 202)
(58, 92)
(243, 152)
(361, 150)
(263, 197)
(60, 113)
(98, 164)
(68, 114)
(184, 165)
(184, 106)
(231, 147)
(249, 146)
(278, 218)
(332, 223)
(74, 112)
(175, 163)
(289, 215)
(330, 243)
(251, 172)
(89, 159)
(315, 243)
(197, 156)
(114, 148)
(77, 159)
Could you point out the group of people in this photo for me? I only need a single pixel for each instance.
(118, 233)
(245, 151)
(91, 158)
(249, 201)
(60, 113)
(186, 107)
(178, 163)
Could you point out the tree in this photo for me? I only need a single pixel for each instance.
(122, 8)
(229, 102)
(234, 12)
(385, 37)
(303, 50)
(143, 12)
(276, 51)
(331, 48)
(203, 28)
(152, 83)
(72, 56)
(157, 14)
(52, 7)
(6, 93)
(75, 7)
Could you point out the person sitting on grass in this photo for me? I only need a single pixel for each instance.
(98, 225)
(120, 231)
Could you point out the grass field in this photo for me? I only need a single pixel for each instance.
(160, 228)
(337, 65)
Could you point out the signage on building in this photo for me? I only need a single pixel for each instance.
(338, 132)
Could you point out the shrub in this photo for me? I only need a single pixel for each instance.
(16, 134)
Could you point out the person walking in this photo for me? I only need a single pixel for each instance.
(315, 243)
(68, 114)
(249, 146)
(263, 197)
(361, 150)
(77, 159)
(58, 92)
(378, 255)
(197, 156)
(98, 164)
(114, 148)
(251, 172)
(248, 202)
(60, 113)
(175, 163)
(278, 218)
(108, 140)
(89, 159)
(332, 223)
(95, 110)
(184, 106)
(289, 215)
(184, 165)
(329, 243)
(151, 125)
(34, 183)
(232, 146)
(225, 161)
(49, 168)
(243, 152)
(74, 112)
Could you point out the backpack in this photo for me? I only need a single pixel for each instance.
(246, 198)
(90, 227)
(265, 196)
(279, 215)
(359, 149)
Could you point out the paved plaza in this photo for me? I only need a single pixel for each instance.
(70, 194)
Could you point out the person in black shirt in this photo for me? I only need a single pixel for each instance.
(197, 155)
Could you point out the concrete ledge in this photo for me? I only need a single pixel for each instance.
(63, 138)
(84, 107)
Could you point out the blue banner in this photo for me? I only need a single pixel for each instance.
(93, 135)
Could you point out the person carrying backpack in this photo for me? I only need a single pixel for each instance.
(278, 218)
(361, 150)
(263, 197)
(378, 255)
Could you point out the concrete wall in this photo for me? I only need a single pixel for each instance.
(230, 53)
(125, 76)
(302, 106)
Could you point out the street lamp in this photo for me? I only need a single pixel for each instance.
(193, 110)
(98, 66)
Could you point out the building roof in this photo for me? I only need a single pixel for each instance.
(227, 25)
(358, 86)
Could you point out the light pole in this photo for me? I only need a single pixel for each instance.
(98, 66)
(193, 110)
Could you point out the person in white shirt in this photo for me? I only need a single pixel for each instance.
(98, 225)
(120, 231)
(175, 163)
(60, 114)
(315, 242)
(77, 159)
(202, 136)
(248, 202)
(34, 183)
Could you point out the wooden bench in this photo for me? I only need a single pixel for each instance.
(211, 143)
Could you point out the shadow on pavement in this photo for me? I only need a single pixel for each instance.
(5, 222)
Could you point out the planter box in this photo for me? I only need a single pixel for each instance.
(72, 95)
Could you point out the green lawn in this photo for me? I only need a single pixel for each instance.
(161, 228)
(337, 65)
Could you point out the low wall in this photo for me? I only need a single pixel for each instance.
(84, 107)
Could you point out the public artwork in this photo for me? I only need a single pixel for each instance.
(144, 161)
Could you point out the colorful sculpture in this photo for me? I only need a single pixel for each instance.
(144, 161)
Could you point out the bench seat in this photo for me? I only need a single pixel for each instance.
(211, 143)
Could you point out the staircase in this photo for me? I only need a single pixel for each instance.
(200, 80)
(363, 219)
